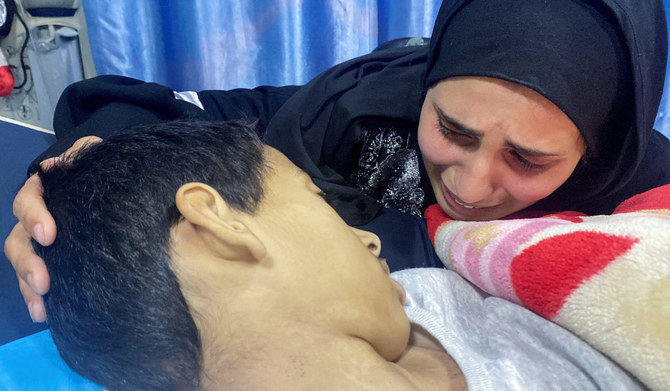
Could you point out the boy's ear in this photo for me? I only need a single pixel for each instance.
(217, 223)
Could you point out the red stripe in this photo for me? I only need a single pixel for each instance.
(545, 274)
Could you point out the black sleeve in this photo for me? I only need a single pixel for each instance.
(103, 106)
(258, 104)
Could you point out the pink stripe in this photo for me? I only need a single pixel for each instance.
(504, 253)
(489, 268)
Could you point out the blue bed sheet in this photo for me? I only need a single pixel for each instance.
(32, 363)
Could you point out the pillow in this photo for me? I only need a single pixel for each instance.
(605, 278)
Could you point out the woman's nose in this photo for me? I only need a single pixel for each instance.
(476, 181)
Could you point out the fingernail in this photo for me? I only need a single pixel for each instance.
(38, 233)
(36, 314)
(30, 311)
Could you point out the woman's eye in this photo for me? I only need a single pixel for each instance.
(456, 136)
(525, 164)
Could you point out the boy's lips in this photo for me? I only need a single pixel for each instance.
(400, 290)
(402, 295)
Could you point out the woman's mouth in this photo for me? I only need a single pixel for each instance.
(459, 202)
(451, 198)
(460, 207)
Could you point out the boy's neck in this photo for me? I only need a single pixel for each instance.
(301, 360)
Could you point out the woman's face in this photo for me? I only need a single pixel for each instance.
(493, 147)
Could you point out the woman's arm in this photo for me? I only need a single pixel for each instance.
(105, 105)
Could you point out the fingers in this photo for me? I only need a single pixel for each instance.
(34, 302)
(82, 142)
(29, 206)
(36, 221)
(28, 266)
(30, 209)
(30, 271)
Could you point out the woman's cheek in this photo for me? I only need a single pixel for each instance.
(529, 191)
(433, 147)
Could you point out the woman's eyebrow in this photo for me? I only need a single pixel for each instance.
(456, 124)
(527, 151)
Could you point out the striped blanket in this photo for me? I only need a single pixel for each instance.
(605, 278)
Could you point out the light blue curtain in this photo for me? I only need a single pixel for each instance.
(663, 117)
(224, 44)
(208, 44)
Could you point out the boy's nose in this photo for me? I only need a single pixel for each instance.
(370, 240)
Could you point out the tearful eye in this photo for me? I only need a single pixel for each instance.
(456, 136)
(525, 164)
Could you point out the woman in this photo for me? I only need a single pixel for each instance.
(519, 105)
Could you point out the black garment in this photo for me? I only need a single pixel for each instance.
(105, 105)
(323, 125)
(566, 51)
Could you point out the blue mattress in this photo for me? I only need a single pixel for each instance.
(19, 146)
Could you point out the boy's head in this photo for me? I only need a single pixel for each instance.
(177, 239)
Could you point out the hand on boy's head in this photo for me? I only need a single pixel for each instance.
(30, 271)
(34, 221)
(47, 164)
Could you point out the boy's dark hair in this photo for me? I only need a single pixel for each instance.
(115, 308)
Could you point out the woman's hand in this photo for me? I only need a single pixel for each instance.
(36, 221)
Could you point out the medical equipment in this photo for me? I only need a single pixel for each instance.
(47, 49)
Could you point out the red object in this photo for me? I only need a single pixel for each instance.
(654, 199)
(435, 217)
(545, 274)
(6, 77)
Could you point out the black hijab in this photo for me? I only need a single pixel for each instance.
(576, 54)
(319, 127)
(565, 50)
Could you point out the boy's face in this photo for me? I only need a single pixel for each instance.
(328, 272)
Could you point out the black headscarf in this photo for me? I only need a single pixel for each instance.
(319, 126)
(565, 50)
(573, 52)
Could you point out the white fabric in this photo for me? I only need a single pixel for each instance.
(190, 97)
(500, 345)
